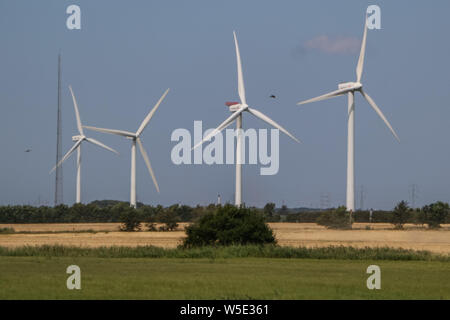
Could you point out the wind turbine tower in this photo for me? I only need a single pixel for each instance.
(136, 139)
(349, 89)
(79, 139)
(237, 109)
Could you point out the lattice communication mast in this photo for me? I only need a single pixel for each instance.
(59, 171)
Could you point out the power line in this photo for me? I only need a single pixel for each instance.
(325, 200)
(361, 197)
(413, 194)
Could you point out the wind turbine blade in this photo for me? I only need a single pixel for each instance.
(265, 118)
(77, 113)
(222, 126)
(112, 131)
(67, 155)
(326, 96)
(147, 162)
(150, 115)
(378, 111)
(91, 140)
(241, 88)
(360, 66)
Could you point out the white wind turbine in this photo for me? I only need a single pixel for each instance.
(350, 88)
(135, 137)
(79, 139)
(238, 109)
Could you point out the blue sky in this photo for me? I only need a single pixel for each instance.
(128, 52)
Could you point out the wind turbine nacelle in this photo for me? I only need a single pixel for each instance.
(349, 85)
(77, 138)
(233, 106)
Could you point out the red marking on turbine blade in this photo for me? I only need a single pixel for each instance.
(230, 103)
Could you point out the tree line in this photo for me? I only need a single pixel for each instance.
(115, 211)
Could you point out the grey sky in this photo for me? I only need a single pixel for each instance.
(128, 52)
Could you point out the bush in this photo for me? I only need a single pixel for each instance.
(151, 226)
(169, 217)
(335, 219)
(269, 209)
(401, 214)
(435, 214)
(269, 212)
(131, 220)
(185, 213)
(229, 225)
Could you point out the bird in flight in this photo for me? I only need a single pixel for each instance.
(28, 150)
(273, 96)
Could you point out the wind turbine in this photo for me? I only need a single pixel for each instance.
(350, 88)
(135, 138)
(79, 139)
(238, 109)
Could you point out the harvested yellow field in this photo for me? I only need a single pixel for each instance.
(382, 235)
(59, 227)
(100, 239)
(287, 234)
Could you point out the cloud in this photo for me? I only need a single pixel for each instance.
(333, 45)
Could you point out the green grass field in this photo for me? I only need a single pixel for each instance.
(38, 277)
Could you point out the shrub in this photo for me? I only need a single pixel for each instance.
(417, 217)
(401, 215)
(270, 214)
(169, 217)
(269, 209)
(229, 225)
(150, 223)
(151, 226)
(131, 220)
(435, 214)
(335, 219)
(148, 215)
(185, 213)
